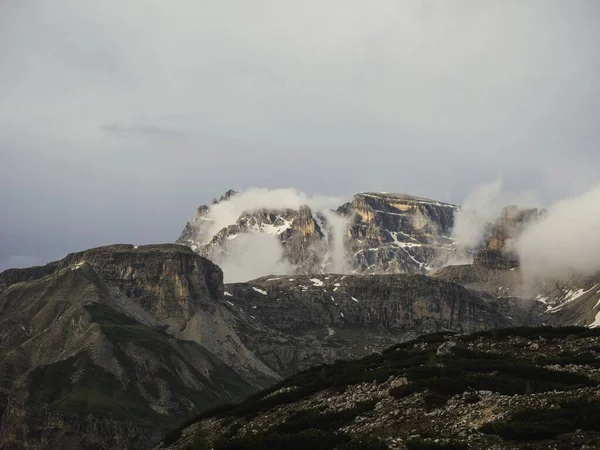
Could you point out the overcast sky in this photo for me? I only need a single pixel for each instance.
(118, 118)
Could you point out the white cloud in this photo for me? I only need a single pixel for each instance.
(566, 242)
(227, 212)
(251, 256)
(118, 118)
(482, 206)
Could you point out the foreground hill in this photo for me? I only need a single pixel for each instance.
(503, 389)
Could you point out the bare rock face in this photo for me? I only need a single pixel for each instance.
(374, 233)
(395, 233)
(317, 319)
(91, 354)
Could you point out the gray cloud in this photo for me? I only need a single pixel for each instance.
(142, 130)
(428, 98)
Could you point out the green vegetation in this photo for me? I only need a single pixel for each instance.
(435, 377)
(545, 332)
(95, 391)
(420, 444)
(332, 420)
(306, 439)
(467, 370)
(79, 385)
(538, 424)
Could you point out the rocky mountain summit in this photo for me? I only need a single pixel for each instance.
(520, 388)
(375, 233)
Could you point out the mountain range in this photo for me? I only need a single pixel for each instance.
(114, 346)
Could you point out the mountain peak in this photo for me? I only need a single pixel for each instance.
(389, 196)
(377, 232)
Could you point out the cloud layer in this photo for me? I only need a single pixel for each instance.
(118, 118)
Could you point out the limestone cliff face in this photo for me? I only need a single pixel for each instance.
(374, 233)
(395, 233)
(166, 280)
(320, 319)
(90, 349)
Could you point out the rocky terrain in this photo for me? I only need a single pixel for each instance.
(375, 233)
(520, 388)
(308, 320)
(496, 273)
(92, 348)
(112, 346)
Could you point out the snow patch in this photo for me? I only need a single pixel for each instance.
(78, 265)
(260, 291)
(596, 322)
(227, 294)
(354, 299)
(275, 230)
(316, 282)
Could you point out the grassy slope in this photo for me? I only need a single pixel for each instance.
(77, 385)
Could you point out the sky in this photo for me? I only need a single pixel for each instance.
(118, 119)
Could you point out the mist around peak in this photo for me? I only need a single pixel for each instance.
(565, 242)
(260, 252)
(560, 243)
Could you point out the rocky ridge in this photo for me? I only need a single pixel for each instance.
(317, 319)
(374, 233)
(504, 389)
